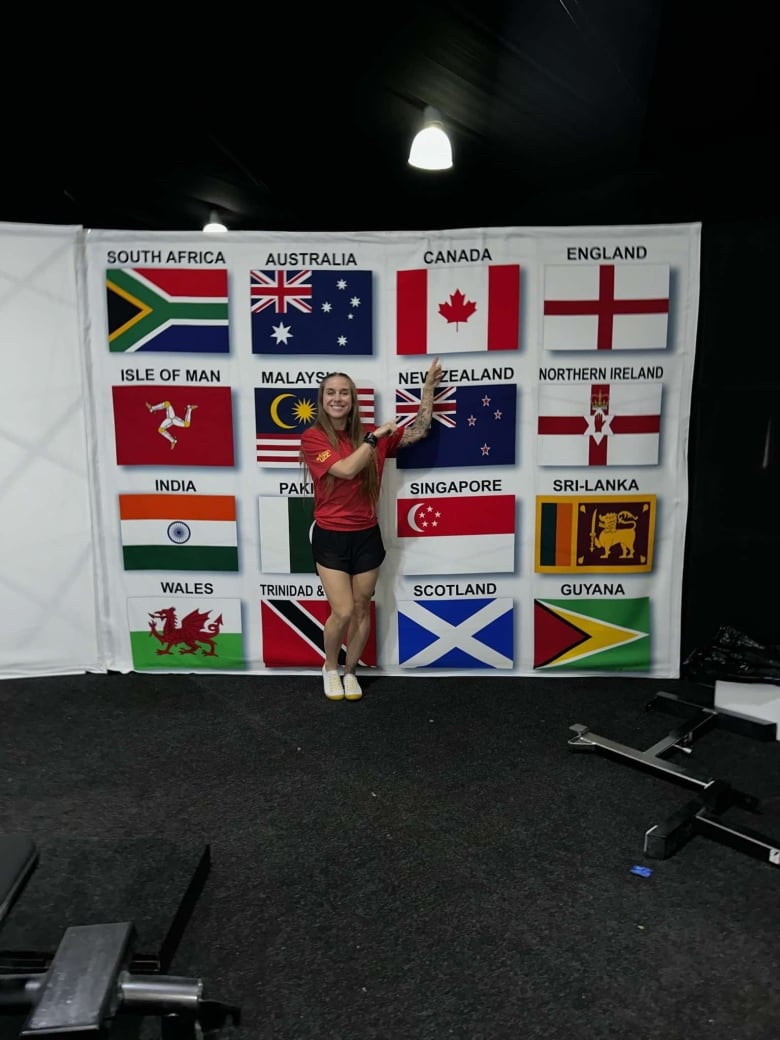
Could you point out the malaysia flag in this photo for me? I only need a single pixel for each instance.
(281, 416)
(451, 310)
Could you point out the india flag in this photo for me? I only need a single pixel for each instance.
(285, 534)
(179, 532)
(185, 634)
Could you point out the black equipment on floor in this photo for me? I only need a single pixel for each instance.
(704, 814)
(88, 981)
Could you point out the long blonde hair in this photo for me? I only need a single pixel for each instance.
(354, 430)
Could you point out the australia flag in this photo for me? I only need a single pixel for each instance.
(311, 312)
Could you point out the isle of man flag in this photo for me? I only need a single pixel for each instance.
(455, 310)
(599, 424)
(592, 634)
(606, 307)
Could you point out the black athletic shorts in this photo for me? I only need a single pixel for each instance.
(352, 551)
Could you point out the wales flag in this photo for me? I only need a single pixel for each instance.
(186, 634)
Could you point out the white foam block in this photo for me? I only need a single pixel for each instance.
(759, 701)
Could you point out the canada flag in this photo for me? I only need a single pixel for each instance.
(451, 310)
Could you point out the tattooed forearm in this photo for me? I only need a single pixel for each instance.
(421, 424)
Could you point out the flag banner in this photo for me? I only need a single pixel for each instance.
(285, 534)
(455, 310)
(179, 532)
(598, 634)
(186, 633)
(281, 416)
(292, 634)
(173, 425)
(606, 307)
(179, 310)
(599, 424)
(456, 633)
(594, 534)
(312, 312)
(464, 534)
(478, 428)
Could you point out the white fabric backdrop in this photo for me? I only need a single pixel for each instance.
(455, 616)
(49, 572)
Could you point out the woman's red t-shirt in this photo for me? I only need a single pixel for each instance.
(344, 506)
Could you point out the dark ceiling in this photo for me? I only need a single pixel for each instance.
(560, 111)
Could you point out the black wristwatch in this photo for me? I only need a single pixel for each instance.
(371, 439)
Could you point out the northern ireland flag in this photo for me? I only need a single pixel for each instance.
(467, 534)
(179, 532)
(282, 415)
(180, 310)
(599, 424)
(451, 310)
(311, 312)
(285, 534)
(456, 633)
(606, 307)
(292, 632)
(592, 634)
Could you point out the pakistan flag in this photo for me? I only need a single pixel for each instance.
(285, 535)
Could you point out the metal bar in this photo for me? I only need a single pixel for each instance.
(80, 993)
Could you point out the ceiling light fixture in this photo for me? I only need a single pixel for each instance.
(431, 148)
(214, 225)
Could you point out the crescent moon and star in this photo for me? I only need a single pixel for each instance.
(412, 519)
(275, 411)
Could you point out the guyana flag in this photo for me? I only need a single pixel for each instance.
(156, 309)
(179, 532)
(186, 634)
(592, 634)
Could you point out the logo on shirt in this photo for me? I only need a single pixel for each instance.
(324, 455)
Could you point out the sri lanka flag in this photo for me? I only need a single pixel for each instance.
(181, 310)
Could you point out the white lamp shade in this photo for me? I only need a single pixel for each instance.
(214, 225)
(431, 148)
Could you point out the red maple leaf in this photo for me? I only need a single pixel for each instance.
(458, 309)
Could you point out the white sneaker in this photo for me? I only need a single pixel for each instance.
(352, 690)
(331, 682)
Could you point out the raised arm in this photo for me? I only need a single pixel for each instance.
(421, 424)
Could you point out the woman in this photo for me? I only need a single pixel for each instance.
(346, 461)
